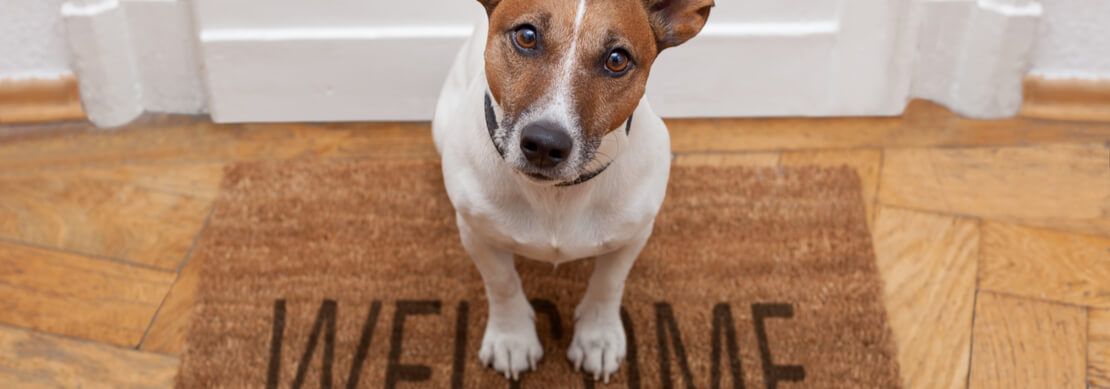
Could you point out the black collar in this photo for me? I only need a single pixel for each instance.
(492, 125)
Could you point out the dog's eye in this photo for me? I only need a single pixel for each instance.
(617, 61)
(525, 37)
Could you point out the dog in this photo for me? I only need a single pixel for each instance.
(550, 151)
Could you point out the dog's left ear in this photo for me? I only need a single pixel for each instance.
(489, 5)
(676, 21)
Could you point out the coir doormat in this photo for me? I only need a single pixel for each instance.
(351, 274)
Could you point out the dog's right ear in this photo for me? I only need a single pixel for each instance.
(676, 21)
(490, 5)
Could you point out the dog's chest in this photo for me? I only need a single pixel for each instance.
(559, 233)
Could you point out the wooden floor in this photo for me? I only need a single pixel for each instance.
(993, 236)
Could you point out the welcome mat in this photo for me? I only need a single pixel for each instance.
(351, 274)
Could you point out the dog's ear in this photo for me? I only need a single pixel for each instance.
(490, 5)
(676, 21)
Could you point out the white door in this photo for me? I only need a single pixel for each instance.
(793, 57)
(357, 59)
(337, 60)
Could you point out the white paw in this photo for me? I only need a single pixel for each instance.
(598, 346)
(511, 349)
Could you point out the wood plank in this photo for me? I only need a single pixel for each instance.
(1045, 264)
(1023, 343)
(866, 163)
(78, 296)
(34, 360)
(767, 159)
(928, 264)
(196, 179)
(1098, 348)
(167, 333)
(37, 100)
(1083, 99)
(177, 138)
(146, 214)
(1064, 187)
(924, 124)
(184, 139)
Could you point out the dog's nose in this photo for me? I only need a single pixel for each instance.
(545, 144)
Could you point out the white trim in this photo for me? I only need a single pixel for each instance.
(131, 56)
(1068, 74)
(326, 34)
(88, 8)
(36, 75)
(973, 55)
(100, 43)
(769, 29)
(1002, 7)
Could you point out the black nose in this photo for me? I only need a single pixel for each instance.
(545, 144)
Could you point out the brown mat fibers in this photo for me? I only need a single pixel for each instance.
(341, 273)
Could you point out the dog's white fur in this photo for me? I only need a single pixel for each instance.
(501, 212)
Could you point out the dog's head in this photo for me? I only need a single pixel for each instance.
(567, 73)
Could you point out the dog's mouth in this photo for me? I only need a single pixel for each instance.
(541, 177)
(544, 176)
(538, 176)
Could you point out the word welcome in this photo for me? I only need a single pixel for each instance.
(668, 340)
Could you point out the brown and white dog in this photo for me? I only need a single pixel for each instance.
(550, 151)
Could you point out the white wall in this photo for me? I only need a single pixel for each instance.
(1074, 39)
(31, 39)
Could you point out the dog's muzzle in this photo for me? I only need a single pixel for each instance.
(544, 145)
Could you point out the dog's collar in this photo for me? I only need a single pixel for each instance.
(492, 125)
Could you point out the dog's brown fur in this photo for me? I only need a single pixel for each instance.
(641, 27)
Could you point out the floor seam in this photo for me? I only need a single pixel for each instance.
(875, 203)
(181, 267)
(86, 341)
(95, 257)
(987, 219)
(974, 305)
(1042, 300)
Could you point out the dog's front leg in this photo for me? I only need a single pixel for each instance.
(599, 345)
(510, 343)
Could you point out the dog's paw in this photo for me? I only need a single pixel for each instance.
(598, 346)
(511, 351)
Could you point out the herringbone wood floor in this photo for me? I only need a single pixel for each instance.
(993, 236)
